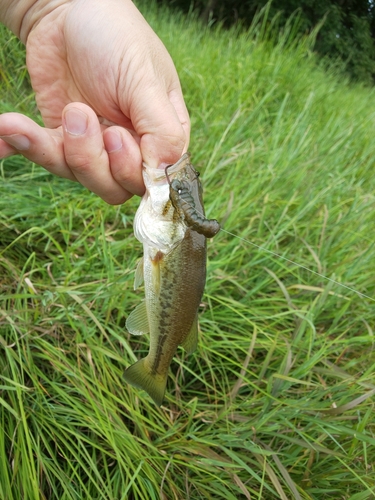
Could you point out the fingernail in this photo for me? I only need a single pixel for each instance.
(76, 121)
(112, 141)
(18, 141)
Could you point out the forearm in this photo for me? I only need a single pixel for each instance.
(21, 15)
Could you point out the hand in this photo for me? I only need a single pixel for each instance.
(108, 93)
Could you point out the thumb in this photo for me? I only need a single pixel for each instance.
(163, 124)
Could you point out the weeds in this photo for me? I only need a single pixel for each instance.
(278, 400)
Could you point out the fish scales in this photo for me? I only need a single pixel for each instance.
(174, 273)
(174, 308)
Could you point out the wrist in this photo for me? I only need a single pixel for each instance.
(20, 16)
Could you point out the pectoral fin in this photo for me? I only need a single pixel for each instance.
(138, 278)
(137, 321)
(191, 341)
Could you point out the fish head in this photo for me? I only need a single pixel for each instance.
(184, 174)
(155, 223)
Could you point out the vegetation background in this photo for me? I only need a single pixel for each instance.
(347, 28)
(278, 400)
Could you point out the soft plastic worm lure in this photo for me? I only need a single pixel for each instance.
(182, 200)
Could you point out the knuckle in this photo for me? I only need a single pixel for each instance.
(117, 199)
(176, 141)
(84, 164)
(49, 163)
(121, 175)
(79, 162)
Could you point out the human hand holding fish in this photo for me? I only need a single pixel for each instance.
(107, 90)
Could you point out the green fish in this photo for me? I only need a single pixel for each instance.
(170, 223)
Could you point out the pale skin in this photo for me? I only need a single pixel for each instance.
(107, 90)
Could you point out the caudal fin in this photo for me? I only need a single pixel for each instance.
(139, 375)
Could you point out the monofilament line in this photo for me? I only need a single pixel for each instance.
(259, 247)
(298, 265)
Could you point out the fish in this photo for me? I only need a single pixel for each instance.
(171, 225)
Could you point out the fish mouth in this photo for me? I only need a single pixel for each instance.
(159, 176)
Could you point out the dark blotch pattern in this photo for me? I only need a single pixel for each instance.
(183, 202)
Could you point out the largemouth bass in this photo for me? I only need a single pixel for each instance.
(170, 223)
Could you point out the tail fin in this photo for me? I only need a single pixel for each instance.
(139, 375)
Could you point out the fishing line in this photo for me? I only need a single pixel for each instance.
(179, 192)
(301, 266)
(259, 247)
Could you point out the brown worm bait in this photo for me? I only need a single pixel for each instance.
(182, 200)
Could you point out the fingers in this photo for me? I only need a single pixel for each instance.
(125, 159)
(86, 156)
(108, 163)
(20, 134)
(164, 128)
(6, 149)
(151, 96)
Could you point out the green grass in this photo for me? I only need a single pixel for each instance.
(278, 400)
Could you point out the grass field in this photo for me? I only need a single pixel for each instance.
(278, 400)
